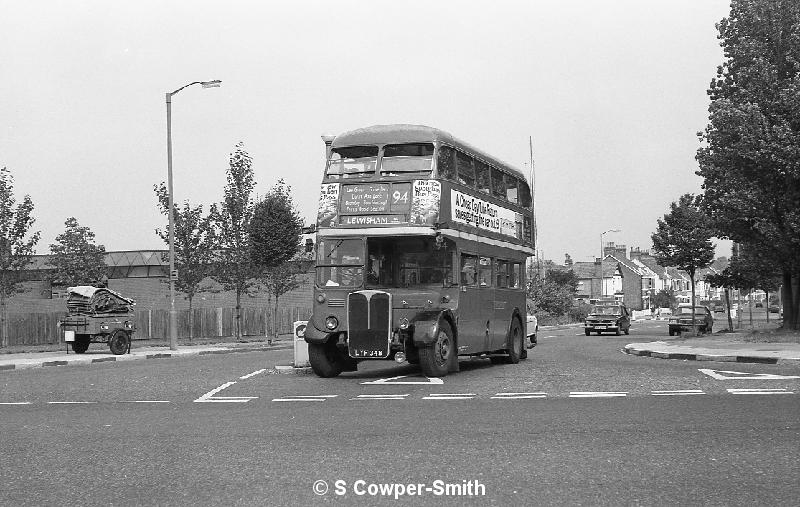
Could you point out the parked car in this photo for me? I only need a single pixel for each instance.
(663, 313)
(774, 309)
(608, 318)
(533, 330)
(682, 320)
(718, 307)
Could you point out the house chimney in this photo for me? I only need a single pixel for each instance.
(621, 252)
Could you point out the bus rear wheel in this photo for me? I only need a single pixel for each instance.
(325, 359)
(516, 344)
(435, 360)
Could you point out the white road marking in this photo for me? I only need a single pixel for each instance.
(597, 394)
(70, 402)
(449, 396)
(380, 397)
(760, 391)
(739, 375)
(517, 396)
(321, 397)
(394, 380)
(15, 403)
(245, 377)
(682, 392)
(210, 398)
(146, 401)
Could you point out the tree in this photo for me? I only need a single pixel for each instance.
(278, 280)
(234, 269)
(665, 298)
(683, 239)
(747, 270)
(75, 257)
(275, 229)
(749, 150)
(555, 293)
(194, 240)
(16, 243)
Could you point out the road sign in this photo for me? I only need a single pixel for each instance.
(740, 375)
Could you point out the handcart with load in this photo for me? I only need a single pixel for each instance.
(98, 315)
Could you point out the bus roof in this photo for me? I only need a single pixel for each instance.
(403, 134)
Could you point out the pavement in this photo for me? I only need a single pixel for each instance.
(98, 353)
(733, 349)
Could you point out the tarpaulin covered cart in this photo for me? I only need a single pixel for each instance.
(98, 315)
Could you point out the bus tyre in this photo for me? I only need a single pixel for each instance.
(325, 359)
(516, 342)
(436, 359)
(119, 342)
(587, 332)
(81, 343)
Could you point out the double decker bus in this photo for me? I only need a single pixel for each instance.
(421, 247)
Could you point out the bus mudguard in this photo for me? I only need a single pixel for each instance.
(426, 326)
(314, 335)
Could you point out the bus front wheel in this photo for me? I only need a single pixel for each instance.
(325, 359)
(434, 360)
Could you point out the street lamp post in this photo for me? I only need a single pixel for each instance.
(173, 275)
(602, 285)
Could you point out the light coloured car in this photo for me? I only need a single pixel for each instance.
(533, 330)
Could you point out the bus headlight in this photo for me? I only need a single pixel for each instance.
(321, 297)
(404, 323)
(331, 323)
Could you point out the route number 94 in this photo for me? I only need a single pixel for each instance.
(398, 197)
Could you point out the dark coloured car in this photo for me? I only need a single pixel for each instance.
(608, 319)
(774, 309)
(682, 320)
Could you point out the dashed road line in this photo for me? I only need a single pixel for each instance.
(146, 401)
(15, 402)
(71, 402)
(449, 396)
(380, 397)
(681, 392)
(321, 397)
(517, 396)
(760, 391)
(597, 394)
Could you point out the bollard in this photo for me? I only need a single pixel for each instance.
(300, 345)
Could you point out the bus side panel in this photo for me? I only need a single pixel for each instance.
(475, 310)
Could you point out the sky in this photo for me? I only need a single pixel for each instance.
(612, 94)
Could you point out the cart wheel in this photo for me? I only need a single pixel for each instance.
(81, 343)
(118, 343)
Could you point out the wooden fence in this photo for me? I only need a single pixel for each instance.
(42, 328)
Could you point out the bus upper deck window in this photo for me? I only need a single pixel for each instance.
(524, 194)
(498, 184)
(512, 193)
(446, 163)
(482, 176)
(466, 172)
(401, 159)
(352, 162)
